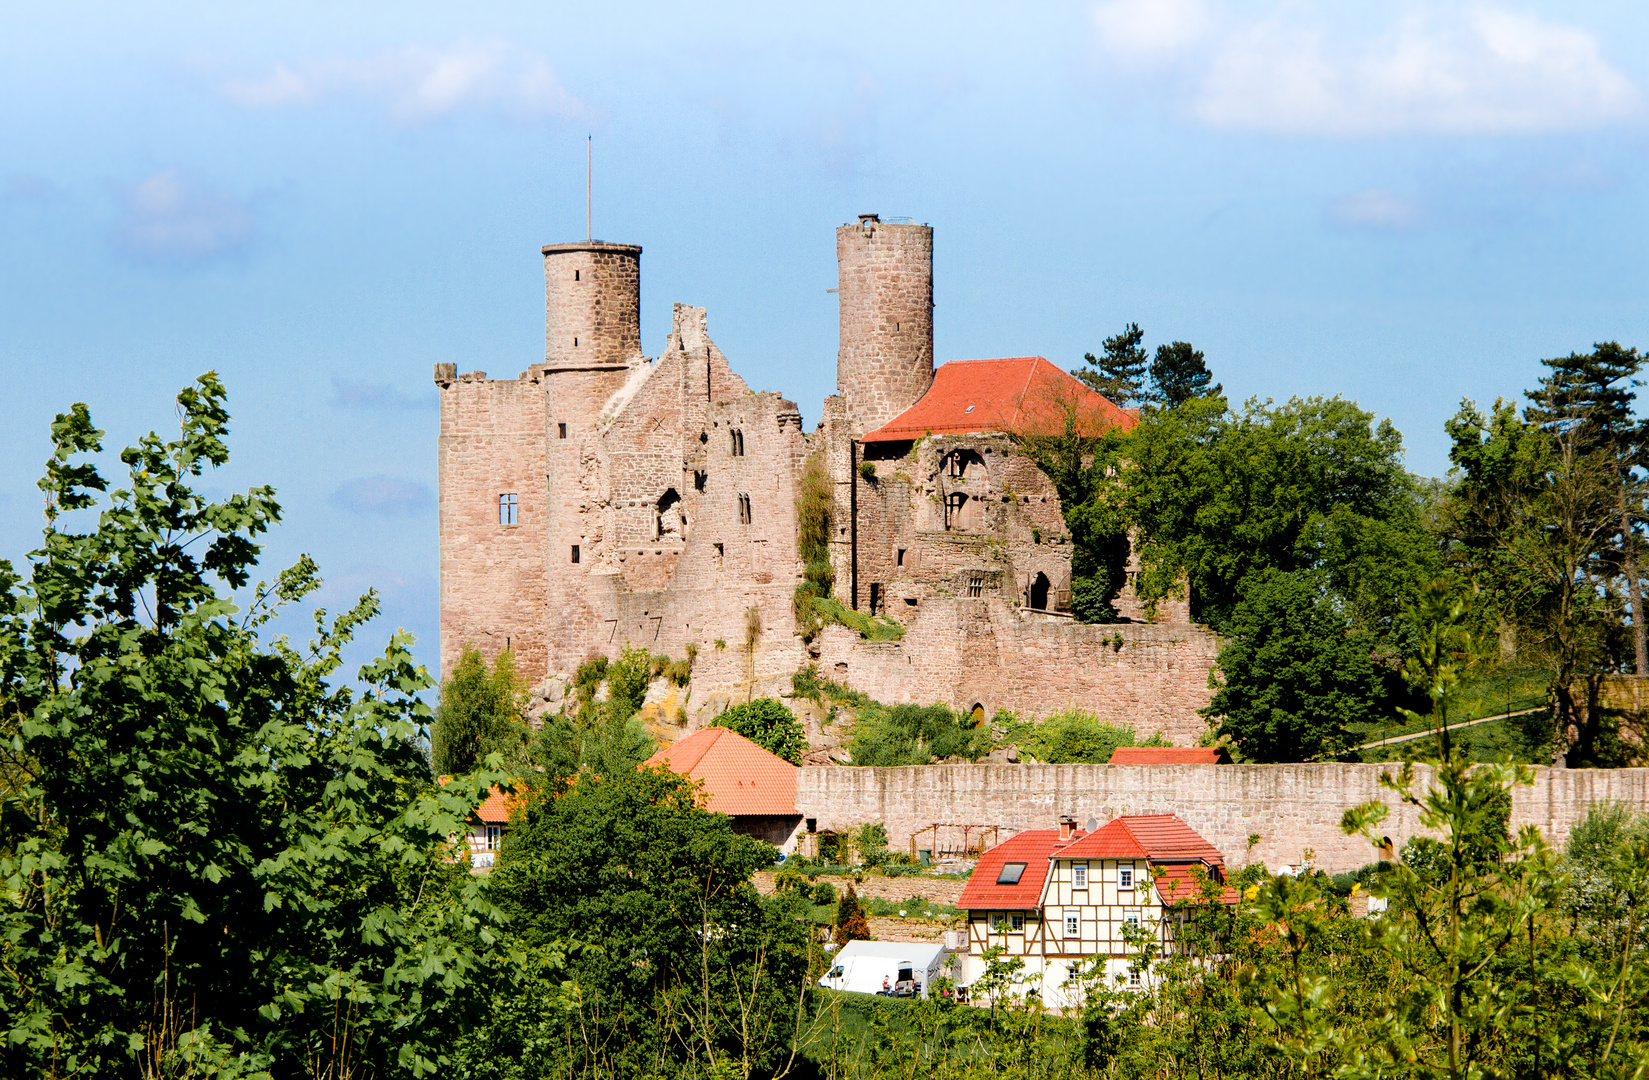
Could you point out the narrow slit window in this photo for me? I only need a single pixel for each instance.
(899, 559)
(507, 508)
(575, 553)
(575, 343)
(575, 275)
(561, 431)
(737, 440)
(744, 509)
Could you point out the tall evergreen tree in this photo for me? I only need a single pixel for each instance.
(1119, 373)
(1178, 374)
(1589, 396)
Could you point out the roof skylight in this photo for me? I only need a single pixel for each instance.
(1010, 873)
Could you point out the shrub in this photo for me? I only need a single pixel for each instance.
(770, 726)
(824, 893)
(850, 919)
(871, 628)
(627, 680)
(805, 682)
(867, 469)
(914, 734)
(1076, 736)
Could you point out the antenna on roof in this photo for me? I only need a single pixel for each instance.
(589, 187)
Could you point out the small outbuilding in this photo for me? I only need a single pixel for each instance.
(753, 786)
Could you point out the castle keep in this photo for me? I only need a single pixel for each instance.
(603, 499)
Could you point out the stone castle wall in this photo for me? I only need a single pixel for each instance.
(592, 303)
(968, 652)
(885, 358)
(1292, 808)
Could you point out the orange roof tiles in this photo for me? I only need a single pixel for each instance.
(1170, 755)
(1171, 847)
(1018, 394)
(739, 777)
(496, 808)
(1033, 847)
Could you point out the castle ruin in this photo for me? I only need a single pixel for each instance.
(603, 499)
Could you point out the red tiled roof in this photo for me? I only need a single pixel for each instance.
(1174, 881)
(1033, 847)
(1170, 755)
(739, 777)
(496, 808)
(1019, 394)
(1158, 837)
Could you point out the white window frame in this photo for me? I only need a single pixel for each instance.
(999, 922)
(1130, 917)
(1134, 981)
(1016, 922)
(495, 837)
(1079, 877)
(1073, 925)
(1125, 876)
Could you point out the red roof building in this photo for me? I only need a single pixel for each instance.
(1170, 755)
(753, 786)
(1061, 897)
(1020, 394)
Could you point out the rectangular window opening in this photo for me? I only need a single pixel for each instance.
(1079, 877)
(507, 508)
(699, 479)
(1016, 923)
(561, 430)
(744, 509)
(575, 553)
(1133, 979)
(1125, 877)
(976, 585)
(875, 597)
(495, 836)
(899, 559)
(1073, 927)
(719, 551)
(575, 275)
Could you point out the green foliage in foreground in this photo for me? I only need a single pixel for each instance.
(218, 864)
(479, 714)
(769, 725)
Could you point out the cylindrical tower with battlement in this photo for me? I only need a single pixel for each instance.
(885, 359)
(592, 304)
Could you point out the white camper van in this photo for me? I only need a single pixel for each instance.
(895, 968)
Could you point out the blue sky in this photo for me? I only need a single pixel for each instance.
(1406, 204)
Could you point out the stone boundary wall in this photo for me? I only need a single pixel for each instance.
(1291, 807)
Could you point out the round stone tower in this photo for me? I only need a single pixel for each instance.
(884, 270)
(592, 304)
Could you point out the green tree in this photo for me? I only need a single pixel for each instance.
(1076, 736)
(1311, 485)
(217, 856)
(1294, 677)
(677, 959)
(769, 725)
(914, 735)
(1119, 372)
(479, 714)
(850, 919)
(1178, 374)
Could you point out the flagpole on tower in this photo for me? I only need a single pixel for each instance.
(589, 188)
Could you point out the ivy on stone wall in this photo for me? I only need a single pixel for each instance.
(815, 503)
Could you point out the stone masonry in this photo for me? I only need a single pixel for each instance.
(1294, 809)
(602, 498)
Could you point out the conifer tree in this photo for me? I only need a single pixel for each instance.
(1119, 374)
(850, 919)
(1178, 374)
(1588, 397)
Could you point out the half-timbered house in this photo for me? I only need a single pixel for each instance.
(1061, 897)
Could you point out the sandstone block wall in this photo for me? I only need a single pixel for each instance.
(1292, 807)
(592, 303)
(885, 358)
(968, 652)
(492, 575)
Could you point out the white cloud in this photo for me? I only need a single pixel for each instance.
(164, 219)
(380, 397)
(1142, 31)
(418, 83)
(1375, 208)
(1435, 68)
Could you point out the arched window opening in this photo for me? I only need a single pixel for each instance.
(977, 714)
(737, 443)
(1039, 592)
(671, 524)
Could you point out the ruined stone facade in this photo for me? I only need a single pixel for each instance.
(602, 499)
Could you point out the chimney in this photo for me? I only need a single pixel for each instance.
(1067, 828)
